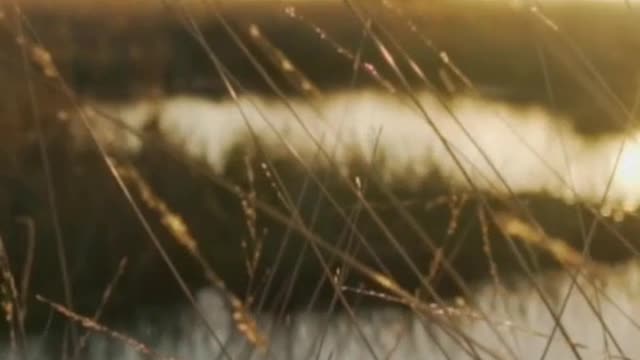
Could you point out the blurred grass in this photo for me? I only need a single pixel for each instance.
(136, 55)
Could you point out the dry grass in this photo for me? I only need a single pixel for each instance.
(269, 196)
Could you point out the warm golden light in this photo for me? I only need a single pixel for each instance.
(628, 171)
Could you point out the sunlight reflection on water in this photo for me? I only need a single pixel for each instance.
(500, 147)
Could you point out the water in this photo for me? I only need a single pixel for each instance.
(514, 330)
(502, 148)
